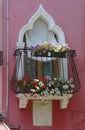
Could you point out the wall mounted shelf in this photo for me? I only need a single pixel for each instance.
(24, 98)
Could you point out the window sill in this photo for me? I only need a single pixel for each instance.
(23, 99)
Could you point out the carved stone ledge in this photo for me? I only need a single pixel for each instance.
(23, 99)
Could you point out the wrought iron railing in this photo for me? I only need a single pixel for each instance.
(24, 55)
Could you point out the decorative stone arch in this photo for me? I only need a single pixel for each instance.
(48, 19)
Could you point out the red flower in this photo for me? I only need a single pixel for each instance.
(27, 77)
(35, 96)
(43, 86)
(25, 83)
(45, 79)
(29, 92)
(35, 84)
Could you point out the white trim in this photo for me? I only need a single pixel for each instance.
(20, 45)
(42, 13)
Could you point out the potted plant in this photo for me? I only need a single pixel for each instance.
(44, 88)
(50, 50)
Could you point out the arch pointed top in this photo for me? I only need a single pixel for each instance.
(48, 19)
(43, 14)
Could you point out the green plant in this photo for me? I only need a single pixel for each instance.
(44, 86)
(42, 48)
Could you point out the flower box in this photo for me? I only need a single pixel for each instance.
(23, 99)
(51, 54)
(44, 89)
(50, 50)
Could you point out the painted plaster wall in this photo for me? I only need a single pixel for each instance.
(70, 16)
(0, 50)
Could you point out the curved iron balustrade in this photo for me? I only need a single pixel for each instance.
(70, 60)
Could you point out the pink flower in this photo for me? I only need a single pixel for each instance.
(72, 86)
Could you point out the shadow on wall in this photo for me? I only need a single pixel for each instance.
(3, 125)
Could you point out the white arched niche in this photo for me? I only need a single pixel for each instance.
(40, 28)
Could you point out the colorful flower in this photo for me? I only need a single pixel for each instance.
(25, 83)
(42, 48)
(44, 86)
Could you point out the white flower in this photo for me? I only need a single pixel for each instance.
(68, 81)
(41, 83)
(32, 90)
(58, 92)
(49, 84)
(37, 88)
(56, 89)
(52, 91)
(37, 80)
(65, 86)
(55, 79)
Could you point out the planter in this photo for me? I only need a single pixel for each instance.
(50, 54)
(23, 99)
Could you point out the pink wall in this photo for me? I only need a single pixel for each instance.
(0, 50)
(70, 16)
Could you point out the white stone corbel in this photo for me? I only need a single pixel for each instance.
(23, 99)
(23, 103)
(64, 102)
